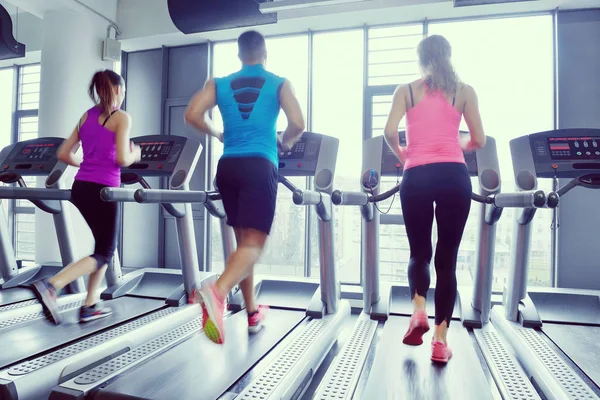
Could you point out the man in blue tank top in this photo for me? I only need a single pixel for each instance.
(249, 101)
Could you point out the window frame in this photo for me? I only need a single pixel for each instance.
(18, 115)
(369, 92)
(211, 141)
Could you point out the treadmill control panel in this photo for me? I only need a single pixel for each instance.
(391, 166)
(32, 157)
(160, 154)
(155, 151)
(301, 160)
(566, 153)
(572, 148)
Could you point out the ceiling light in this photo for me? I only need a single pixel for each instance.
(287, 5)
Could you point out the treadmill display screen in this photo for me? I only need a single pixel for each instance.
(155, 151)
(574, 148)
(36, 152)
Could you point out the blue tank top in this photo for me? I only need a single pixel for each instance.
(249, 104)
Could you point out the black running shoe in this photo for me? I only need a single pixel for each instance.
(46, 295)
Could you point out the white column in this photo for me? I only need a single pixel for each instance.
(71, 53)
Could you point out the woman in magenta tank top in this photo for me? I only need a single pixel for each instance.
(434, 174)
(103, 131)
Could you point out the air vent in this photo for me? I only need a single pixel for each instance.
(212, 15)
(9, 47)
(464, 3)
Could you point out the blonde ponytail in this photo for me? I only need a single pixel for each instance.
(434, 56)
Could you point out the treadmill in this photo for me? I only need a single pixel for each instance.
(37, 355)
(374, 363)
(276, 363)
(37, 158)
(554, 332)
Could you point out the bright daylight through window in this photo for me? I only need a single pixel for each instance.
(512, 73)
(27, 120)
(7, 97)
(512, 70)
(337, 105)
(284, 253)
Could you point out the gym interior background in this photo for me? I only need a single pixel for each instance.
(534, 66)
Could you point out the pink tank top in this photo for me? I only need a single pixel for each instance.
(432, 132)
(99, 145)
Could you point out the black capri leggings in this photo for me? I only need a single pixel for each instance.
(101, 216)
(448, 185)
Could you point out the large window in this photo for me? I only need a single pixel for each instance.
(27, 128)
(337, 104)
(7, 97)
(392, 60)
(509, 62)
(284, 253)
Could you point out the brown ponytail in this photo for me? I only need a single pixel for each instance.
(101, 88)
(434, 57)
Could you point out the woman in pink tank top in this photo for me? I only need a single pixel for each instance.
(103, 131)
(434, 174)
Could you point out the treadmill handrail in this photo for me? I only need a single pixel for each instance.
(114, 194)
(306, 197)
(340, 198)
(529, 199)
(174, 196)
(361, 198)
(286, 182)
(43, 198)
(27, 193)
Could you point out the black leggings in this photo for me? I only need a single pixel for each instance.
(101, 216)
(448, 185)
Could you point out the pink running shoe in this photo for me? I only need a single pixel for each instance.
(440, 352)
(419, 324)
(255, 320)
(213, 307)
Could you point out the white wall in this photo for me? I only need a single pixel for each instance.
(71, 53)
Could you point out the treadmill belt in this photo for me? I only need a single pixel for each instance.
(580, 343)
(199, 369)
(15, 295)
(406, 372)
(28, 339)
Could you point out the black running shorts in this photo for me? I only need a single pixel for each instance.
(248, 187)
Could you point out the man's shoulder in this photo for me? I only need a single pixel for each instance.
(274, 76)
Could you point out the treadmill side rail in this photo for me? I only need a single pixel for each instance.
(537, 357)
(511, 380)
(292, 371)
(80, 386)
(35, 378)
(344, 373)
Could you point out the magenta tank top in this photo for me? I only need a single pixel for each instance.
(99, 163)
(432, 129)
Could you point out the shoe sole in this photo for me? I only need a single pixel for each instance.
(441, 360)
(415, 338)
(210, 328)
(93, 318)
(52, 313)
(255, 328)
